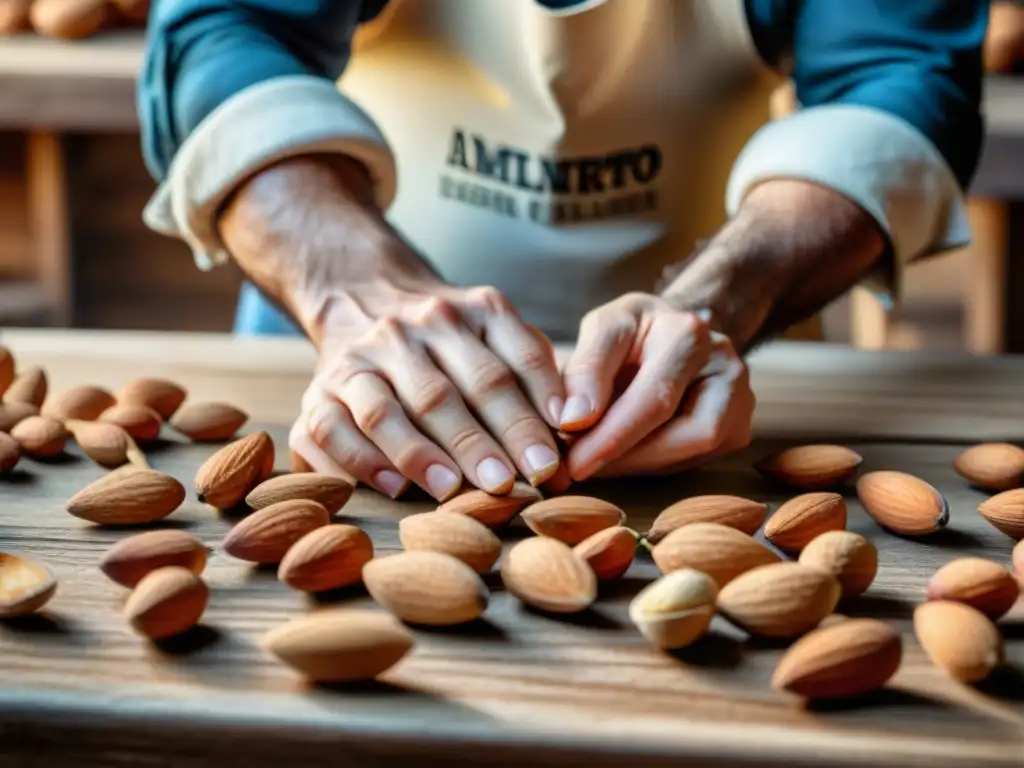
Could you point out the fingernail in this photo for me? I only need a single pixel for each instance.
(494, 475)
(576, 410)
(541, 462)
(390, 483)
(555, 407)
(441, 481)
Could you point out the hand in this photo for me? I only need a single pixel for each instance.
(655, 389)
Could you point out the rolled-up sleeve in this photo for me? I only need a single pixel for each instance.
(231, 86)
(890, 117)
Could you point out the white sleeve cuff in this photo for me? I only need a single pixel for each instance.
(256, 127)
(875, 159)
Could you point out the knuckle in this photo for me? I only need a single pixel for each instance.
(490, 298)
(431, 395)
(414, 458)
(434, 312)
(490, 376)
(661, 399)
(319, 425)
(519, 427)
(467, 441)
(374, 413)
(532, 358)
(385, 330)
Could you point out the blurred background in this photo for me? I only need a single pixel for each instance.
(74, 251)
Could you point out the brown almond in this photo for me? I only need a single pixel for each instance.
(779, 600)
(492, 511)
(453, 534)
(976, 582)
(1005, 512)
(209, 422)
(14, 16)
(609, 552)
(226, 478)
(333, 492)
(852, 658)
(106, 444)
(84, 403)
(10, 453)
(734, 511)
(571, 519)
(992, 466)
(25, 585)
(848, 556)
(902, 503)
(129, 560)
(29, 387)
(130, 497)
(800, 520)
(429, 588)
(6, 369)
(266, 535)
(68, 21)
(811, 467)
(139, 421)
(340, 645)
(547, 574)
(166, 602)
(133, 10)
(330, 557)
(723, 553)
(1018, 559)
(297, 464)
(12, 413)
(40, 436)
(959, 639)
(162, 396)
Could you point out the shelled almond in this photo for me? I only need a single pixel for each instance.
(131, 559)
(166, 602)
(10, 453)
(902, 503)
(13, 413)
(718, 550)
(227, 477)
(802, 519)
(571, 519)
(428, 588)
(546, 574)
(1018, 561)
(139, 421)
(40, 437)
(84, 403)
(106, 444)
(130, 497)
(734, 511)
(209, 422)
(162, 396)
(30, 386)
(609, 553)
(1005, 512)
(976, 582)
(492, 511)
(959, 639)
(330, 491)
(457, 535)
(781, 600)
(848, 556)
(811, 467)
(266, 535)
(992, 466)
(329, 557)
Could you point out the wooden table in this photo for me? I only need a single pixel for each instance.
(80, 689)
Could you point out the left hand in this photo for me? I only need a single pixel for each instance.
(655, 389)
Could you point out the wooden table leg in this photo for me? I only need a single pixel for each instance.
(985, 301)
(48, 211)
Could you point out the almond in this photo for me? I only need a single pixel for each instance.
(40, 436)
(332, 492)
(571, 519)
(736, 512)
(139, 421)
(225, 479)
(106, 444)
(12, 413)
(429, 588)
(723, 553)
(162, 396)
(609, 552)
(1018, 559)
(547, 574)
(166, 602)
(779, 600)
(1005, 511)
(133, 10)
(29, 387)
(128, 498)
(10, 453)
(992, 466)
(209, 422)
(800, 520)
(675, 610)
(330, 557)
(976, 582)
(849, 557)
(25, 585)
(297, 464)
(6, 368)
(811, 467)
(129, 560)
(84, 403)
(453, 534)
(266, 535)
(492, 511)
(340, 645)
(849, 659)
(959, 639)
(902, 503)
(69, 21)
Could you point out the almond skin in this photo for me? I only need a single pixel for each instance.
(571, 519)
(128, 498)
(209, 422)
(40, 436)
(492, 511)
(609, 552)
(29, 387)
(1005, 512)
(851, 658)
(734, 511)
(12, 413)
(6, 369)
(340, 645)
(84, 403)
(428, 588)
(723, 553)
(69, 21)
(10, 453)
(780, 600)
(139, 421)
(330, 557)
(548, 575)
(992, 466)
(811, 467)
(161, 395)
(849, 557)
(266, 535)
(166, 602)
(800, 520)
(332, 492)
(902, 503)
(453, 534)
(106, 444)
(976, 582)
(226, 478)
(959, 639)
(1018, 560)
(131, 559)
